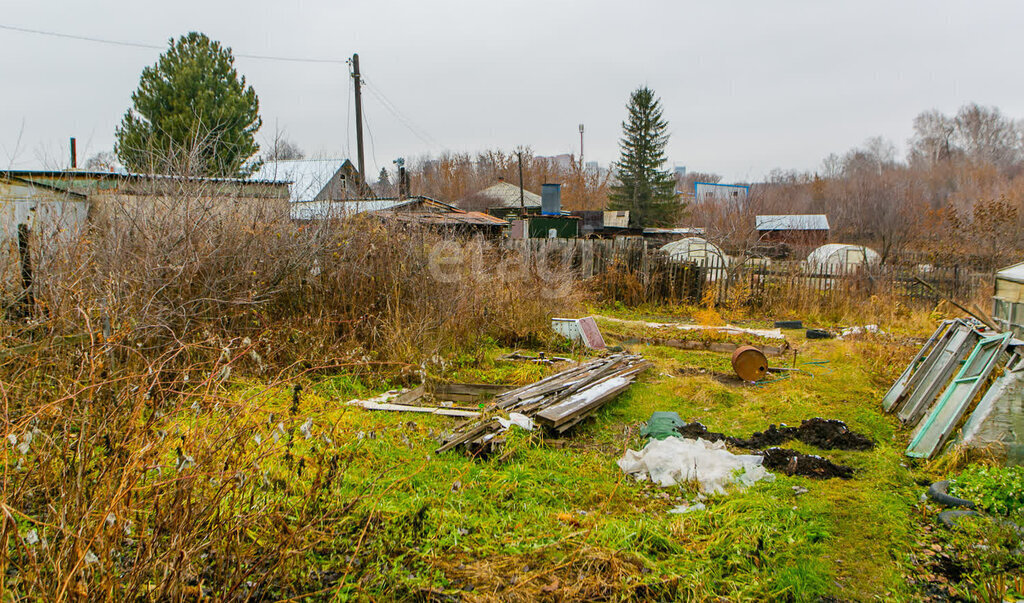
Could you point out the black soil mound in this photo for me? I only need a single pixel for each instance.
(698, 430)
(830, 434)
(792, 462)
(827, 434)
(773, 436)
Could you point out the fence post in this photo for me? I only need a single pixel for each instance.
(26, 301)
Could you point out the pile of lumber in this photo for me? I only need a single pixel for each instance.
(411, 400)
(558, 402)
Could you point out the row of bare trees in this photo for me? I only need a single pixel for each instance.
(456, 177)
(957, 196)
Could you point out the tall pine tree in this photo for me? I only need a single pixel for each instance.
(644, 188)
(192, 113)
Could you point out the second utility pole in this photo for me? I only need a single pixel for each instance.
(359, 123)
(522, 203)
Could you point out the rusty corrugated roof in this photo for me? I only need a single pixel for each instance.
(471, 218)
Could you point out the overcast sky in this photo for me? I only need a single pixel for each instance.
(747, 86)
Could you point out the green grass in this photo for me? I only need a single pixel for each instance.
(549, 513)
(366, 509)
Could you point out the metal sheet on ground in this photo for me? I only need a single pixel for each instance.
(591, 334)
(940, 422)
(920, 400)
(996, 421)
(918, 366)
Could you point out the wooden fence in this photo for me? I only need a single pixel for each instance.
(623, 269)
(765, 283)
(627, 269)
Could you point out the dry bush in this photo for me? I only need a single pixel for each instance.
(175, 270)
(619, 284)
(149, 453)
(122, 485)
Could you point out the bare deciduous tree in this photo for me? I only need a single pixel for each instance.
(986, 135)
(933, 139)
(283, 149)
(104, 161)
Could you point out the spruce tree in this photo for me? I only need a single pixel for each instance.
(644, 188)
(384, 187)
(191, 113)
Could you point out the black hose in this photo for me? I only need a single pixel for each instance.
(949, 517)
(938, 493)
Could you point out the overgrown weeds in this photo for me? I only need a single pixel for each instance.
(157, 444)
(167, 271)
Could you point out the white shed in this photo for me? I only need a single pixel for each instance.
(696, 249)
(1008, 300)
(840, 256)
(50, 213)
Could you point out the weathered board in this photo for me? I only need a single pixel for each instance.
(558, 401)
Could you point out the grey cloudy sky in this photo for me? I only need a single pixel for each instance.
(747, 85)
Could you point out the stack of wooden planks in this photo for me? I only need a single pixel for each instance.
(410, 400)
(558, 402)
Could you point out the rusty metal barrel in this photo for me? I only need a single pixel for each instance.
(749, 363)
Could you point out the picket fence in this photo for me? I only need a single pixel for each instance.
(630, 270)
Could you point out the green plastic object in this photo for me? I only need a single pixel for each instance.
(662, 425)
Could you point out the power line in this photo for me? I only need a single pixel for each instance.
(348, 118)
(420, 133)
(261, 57)
(373, 149)
(417, 131)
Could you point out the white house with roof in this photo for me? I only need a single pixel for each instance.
(806, 229)
(713, 192)
(314, 179)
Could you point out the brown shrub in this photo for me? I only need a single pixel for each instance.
(188, 269)
(160, 350)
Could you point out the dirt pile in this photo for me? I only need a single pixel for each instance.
(827, 434)
(792, 462)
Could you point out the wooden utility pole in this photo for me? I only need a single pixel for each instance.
(522, 202)
(359, 122)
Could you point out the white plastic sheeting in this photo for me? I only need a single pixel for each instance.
(1013, 273)
(727, 329)
(998, 420)
(677, 460)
